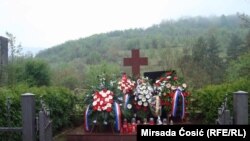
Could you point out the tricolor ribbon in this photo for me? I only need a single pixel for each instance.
(126, 99)
(175, 103)
(86, 120)
(117, 117)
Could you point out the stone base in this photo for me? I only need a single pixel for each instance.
(79, 134)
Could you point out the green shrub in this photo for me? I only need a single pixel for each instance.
(210, 98)
(60, 101)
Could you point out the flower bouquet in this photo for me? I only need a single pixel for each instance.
(126, 87)
(173, 94)
(142, 98)
(103, 109)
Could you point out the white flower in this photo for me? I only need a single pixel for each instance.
(129, 106)
(145, 104)
(135, 98)
(144, 99)
(149, 100)
(109, 105)
(95, 96)
(184, 85)
(98, 100)
(145, 91)
(150, 88)
(104, 108)
(140, 96)
(147, 96)
(139, 102)
(108, 92)
(168, 77)
(103, 94)
(173, 87)
(164, 94)
(168, 85)
(94, 103)
(110, 97)
(106, 99)
(99, 108)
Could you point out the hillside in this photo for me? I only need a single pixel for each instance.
(163, 43)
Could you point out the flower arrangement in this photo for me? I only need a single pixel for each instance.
(172, 92)
(143, 94)
(114, 99)
(103, 100)
(126, 85)
(102, 105)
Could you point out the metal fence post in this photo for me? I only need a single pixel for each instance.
(240, 102)
(28, 117)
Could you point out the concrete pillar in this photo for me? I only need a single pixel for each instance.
(240, 109)
(3, 60)
(28, 117)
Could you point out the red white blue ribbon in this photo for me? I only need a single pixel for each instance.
(86, 120)
(126, 99)
(117, 117)
(175, 105)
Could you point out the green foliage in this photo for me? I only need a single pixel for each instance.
(239, 68)
(37, 73)
(210, 98)
(92, 73)
(60, 101)
(235, 47)
(164, 44)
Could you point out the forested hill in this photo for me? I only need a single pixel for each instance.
(196, 45)
(168, 34)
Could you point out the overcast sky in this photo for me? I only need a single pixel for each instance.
(40, 24)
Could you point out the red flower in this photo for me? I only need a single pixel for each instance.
(169, 73)
(95, 108)
(175, 78)
(109, 109)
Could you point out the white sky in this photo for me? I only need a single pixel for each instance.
(40, 24)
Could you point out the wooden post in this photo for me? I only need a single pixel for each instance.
(28, 117)
(240, 101)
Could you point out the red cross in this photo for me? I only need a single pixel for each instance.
(135, 61)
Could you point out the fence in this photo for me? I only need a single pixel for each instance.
(240, 110)
(29, 122)
(45, 124)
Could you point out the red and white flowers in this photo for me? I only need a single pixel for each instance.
(126, 85)
(103, 100)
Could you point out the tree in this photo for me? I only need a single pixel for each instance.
(37, 73)
(239, 68)
(247, 43)
(199, 51)
(234, 48)
(213, 63)
(15, 51)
